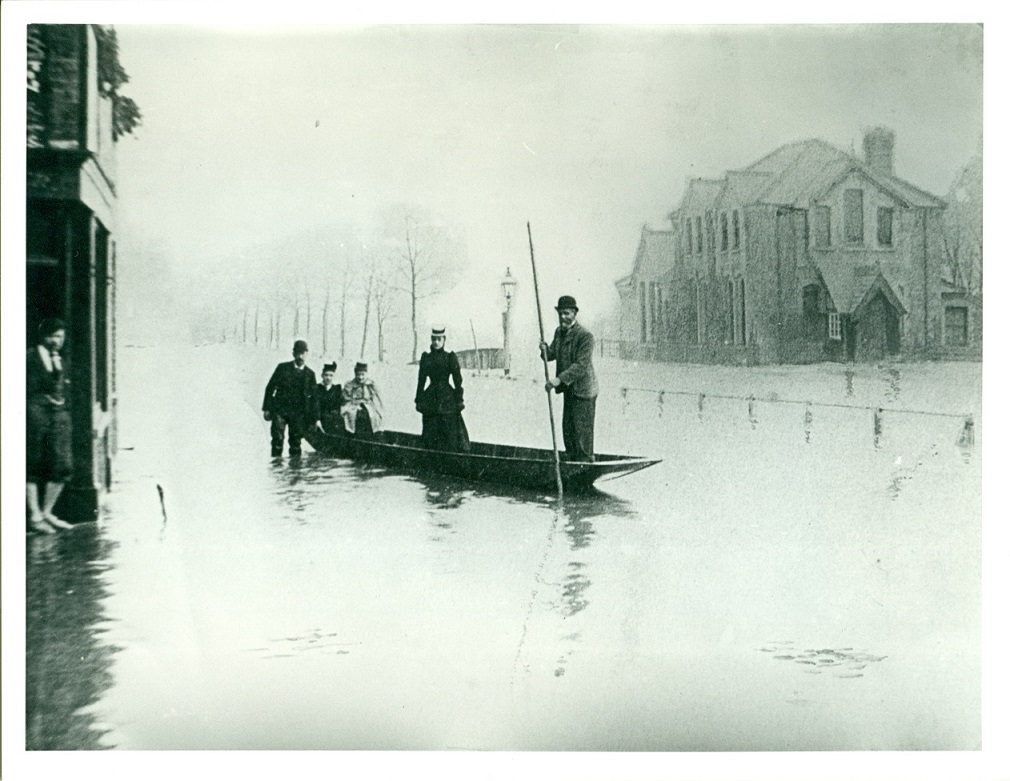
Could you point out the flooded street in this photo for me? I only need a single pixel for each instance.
(790, 577)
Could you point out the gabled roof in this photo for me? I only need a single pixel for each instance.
(701, 194)
(742, 187)
(793, 175)
(851, 288)
(658, 246)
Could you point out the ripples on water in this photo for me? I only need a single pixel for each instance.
(68, 661)
(238, 602)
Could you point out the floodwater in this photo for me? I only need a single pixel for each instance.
(792, 576)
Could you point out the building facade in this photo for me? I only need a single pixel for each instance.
(808, 254)
(70, 252)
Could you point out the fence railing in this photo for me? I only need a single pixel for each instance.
(966, 437)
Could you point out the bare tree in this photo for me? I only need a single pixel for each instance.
(368, 287)
(346, 282)
(383, 294)
(326, 318)
(308, 307)
(962, 222)
(428, 259)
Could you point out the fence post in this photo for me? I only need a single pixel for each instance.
(967, 437)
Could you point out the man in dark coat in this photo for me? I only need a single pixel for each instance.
(48, 455)
(327, 401)
(287, 401)
(572, 348)
(441, 404)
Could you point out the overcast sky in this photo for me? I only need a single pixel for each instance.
(253, 134)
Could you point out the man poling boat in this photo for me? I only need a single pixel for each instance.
(444, 446)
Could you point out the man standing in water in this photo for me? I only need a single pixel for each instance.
(48, 462)
(572, 348)
(288, 401)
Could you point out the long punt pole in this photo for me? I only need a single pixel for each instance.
(547, 371)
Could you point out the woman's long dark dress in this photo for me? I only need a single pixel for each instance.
(326, 410)
(441, 404)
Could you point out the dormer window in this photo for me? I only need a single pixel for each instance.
(736, 229)
(885, 225)
(724, 231)
(853, 216)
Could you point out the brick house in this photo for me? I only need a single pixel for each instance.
(808, 254)
(70, 250)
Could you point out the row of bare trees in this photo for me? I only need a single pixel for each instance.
(321, 286)
(963, 227)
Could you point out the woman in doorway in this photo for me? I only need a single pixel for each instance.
(48, 454)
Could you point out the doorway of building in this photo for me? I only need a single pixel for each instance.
(877, 330)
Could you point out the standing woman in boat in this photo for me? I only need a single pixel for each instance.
(441, 404)
(362, 405)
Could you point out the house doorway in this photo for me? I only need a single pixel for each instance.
(877, 330)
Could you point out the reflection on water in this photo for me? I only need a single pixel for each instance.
(567, 595)
(313, 641)
(893, 388)
(67, 660)
(842, 662)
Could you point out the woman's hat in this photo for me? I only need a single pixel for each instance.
(567, 302)
(438, 330)
(361, 367)
(329, 367)
(51, 325)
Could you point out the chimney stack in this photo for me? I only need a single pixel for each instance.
(878, 148)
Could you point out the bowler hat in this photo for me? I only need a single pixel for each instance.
(300, 347)
(361, 367)
(567, 302)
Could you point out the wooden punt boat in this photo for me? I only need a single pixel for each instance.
(507, 465)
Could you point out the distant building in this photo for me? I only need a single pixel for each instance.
(808, 254)
(71, 256)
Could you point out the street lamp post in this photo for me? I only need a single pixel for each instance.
(508, 289)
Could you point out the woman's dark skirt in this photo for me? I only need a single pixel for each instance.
(47, 453)
(445, 432)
